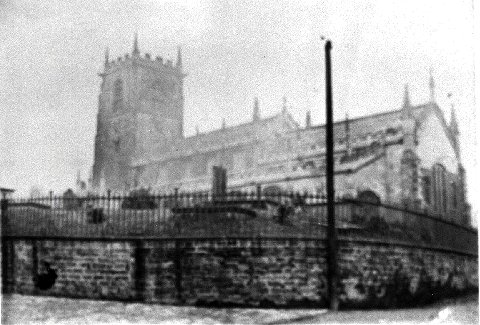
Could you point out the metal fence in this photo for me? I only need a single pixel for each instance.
(234, 214)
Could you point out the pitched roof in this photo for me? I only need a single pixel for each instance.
(369, 124)
(236, 135)
(277, 128)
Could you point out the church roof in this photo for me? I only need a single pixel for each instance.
(363, 130)
(249, 131)
(370, 124)
(237, 135)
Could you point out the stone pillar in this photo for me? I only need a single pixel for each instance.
(140, 270)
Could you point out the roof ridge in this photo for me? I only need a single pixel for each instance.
(352, 120)
(236, 126)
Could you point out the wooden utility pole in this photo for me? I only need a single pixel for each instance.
(332, 271)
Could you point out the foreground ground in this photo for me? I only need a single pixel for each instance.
(18, 309)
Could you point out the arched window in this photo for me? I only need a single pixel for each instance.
(427, 189)
(117, 95)
(115, 136)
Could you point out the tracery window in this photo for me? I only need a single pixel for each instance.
(427, 189)
(115, 136)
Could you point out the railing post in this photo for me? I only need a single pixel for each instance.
(175, 196)
(4, 208)
(109, 193)
(50, 194)
(7, 245)
(4, 211)
(259, 192)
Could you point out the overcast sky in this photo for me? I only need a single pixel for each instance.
(233, 51)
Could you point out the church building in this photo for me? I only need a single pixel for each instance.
(408, 155)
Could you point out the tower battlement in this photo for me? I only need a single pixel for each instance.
(158, 62)
(146, 59)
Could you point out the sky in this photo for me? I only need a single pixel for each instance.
(233, 51)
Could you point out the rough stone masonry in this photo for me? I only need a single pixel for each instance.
(240, 272)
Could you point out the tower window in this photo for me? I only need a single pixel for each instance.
(117, 95)
(116, 141)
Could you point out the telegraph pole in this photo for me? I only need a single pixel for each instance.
(332, 269)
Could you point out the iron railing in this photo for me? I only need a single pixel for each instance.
(234, 214)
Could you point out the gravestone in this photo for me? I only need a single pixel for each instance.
(219, 183)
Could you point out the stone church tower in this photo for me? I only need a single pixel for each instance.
(140, 110)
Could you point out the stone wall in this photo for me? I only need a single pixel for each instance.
(383, 275)
(86, 269)
(236, 272)
(240, 272)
